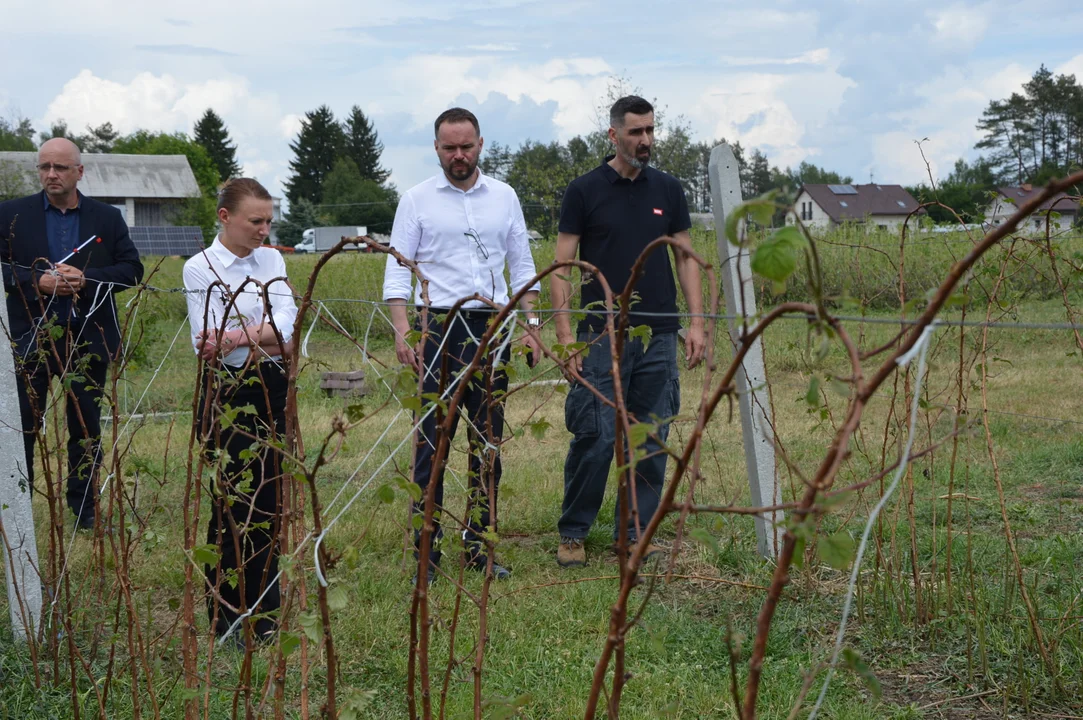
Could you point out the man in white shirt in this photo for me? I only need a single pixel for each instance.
(461, 228)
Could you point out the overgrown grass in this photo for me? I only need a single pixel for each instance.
(545, 632)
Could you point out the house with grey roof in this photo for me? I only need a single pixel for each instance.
(1061, 210)
(147, 189)
(143, 187)
(823, 207)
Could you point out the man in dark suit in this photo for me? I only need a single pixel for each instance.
(61, 313)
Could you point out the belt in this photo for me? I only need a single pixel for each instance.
(472, 315)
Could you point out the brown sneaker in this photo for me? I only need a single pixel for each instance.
(652, 551)
(571, 553)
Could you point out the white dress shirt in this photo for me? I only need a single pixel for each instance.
(218, 263)
(461, 242)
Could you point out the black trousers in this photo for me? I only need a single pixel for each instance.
(87, 372)
(484, 406)
(246, 495)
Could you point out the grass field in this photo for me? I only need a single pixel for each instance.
(938, 650)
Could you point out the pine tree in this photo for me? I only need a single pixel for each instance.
(99, 139)
(318, 145)
(211, 133)
(363, 146)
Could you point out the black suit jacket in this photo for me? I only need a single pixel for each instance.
(24, 252)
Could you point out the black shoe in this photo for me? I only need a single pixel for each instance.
(480, 564)
(431, 578)
(84, 522)
(434, 562)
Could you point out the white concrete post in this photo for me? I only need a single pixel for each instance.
(20, 552)
(751, 379)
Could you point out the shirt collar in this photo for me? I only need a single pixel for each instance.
(225, 256)
(78, 201)
(613, 176)
(442, 182)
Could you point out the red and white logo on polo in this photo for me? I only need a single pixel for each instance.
(657, 211)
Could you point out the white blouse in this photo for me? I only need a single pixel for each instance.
(218, 263)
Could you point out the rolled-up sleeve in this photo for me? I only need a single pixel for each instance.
(520, 260)
(283, 302)
(405, 237)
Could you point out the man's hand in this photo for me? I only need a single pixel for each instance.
(695, 343)
(575, 361)
(533, 345)
(63, 280)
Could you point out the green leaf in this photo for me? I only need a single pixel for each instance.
(290, 643)
(703, 537)
(839, 387)
(386, 494)
(337, 598)
(638, 434)
(643, 332)
(412, 403)
(310, 624)
(538, 429)
(854, 661)
(812, 397)
(774, 260)
(206, 554)
(836, 550)
(355, 413)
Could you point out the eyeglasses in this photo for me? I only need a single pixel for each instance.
(473, 235)
(48, 167)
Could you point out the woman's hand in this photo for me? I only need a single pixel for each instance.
(211, 343)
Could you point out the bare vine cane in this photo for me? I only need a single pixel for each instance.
(440, 455)
(863, 392)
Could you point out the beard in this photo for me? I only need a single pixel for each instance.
(460, 170)
(640, 160)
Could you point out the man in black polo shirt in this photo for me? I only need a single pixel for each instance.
(609, 216)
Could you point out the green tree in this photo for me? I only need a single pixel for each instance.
(319, 143)
(95, 140)
(352, 199)
(210, 132)
(967, 190)
(193, 211)
(100, 139)
(496, 160)
(1038, 133)
(14, 182)
(540, 174)
(362, 145)
(302, 215)
(17, 135)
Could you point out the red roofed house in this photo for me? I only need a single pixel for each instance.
(1009, 199)
(827, 206)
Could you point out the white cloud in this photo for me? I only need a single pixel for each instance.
(960, 26)
(435, 80)
(763, 110)
(1072, 67)
(155, 102)
(819, 56)
(289, 126)
(947, 115)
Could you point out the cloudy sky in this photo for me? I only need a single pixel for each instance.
(848, 84)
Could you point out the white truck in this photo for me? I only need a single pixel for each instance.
(322, 239)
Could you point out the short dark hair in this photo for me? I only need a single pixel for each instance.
(233, 191)
(628, 104)
(455, 115)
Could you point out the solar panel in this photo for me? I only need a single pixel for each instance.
(161, 240)
(842, 189)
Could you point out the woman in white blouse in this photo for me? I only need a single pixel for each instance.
(233, 332)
